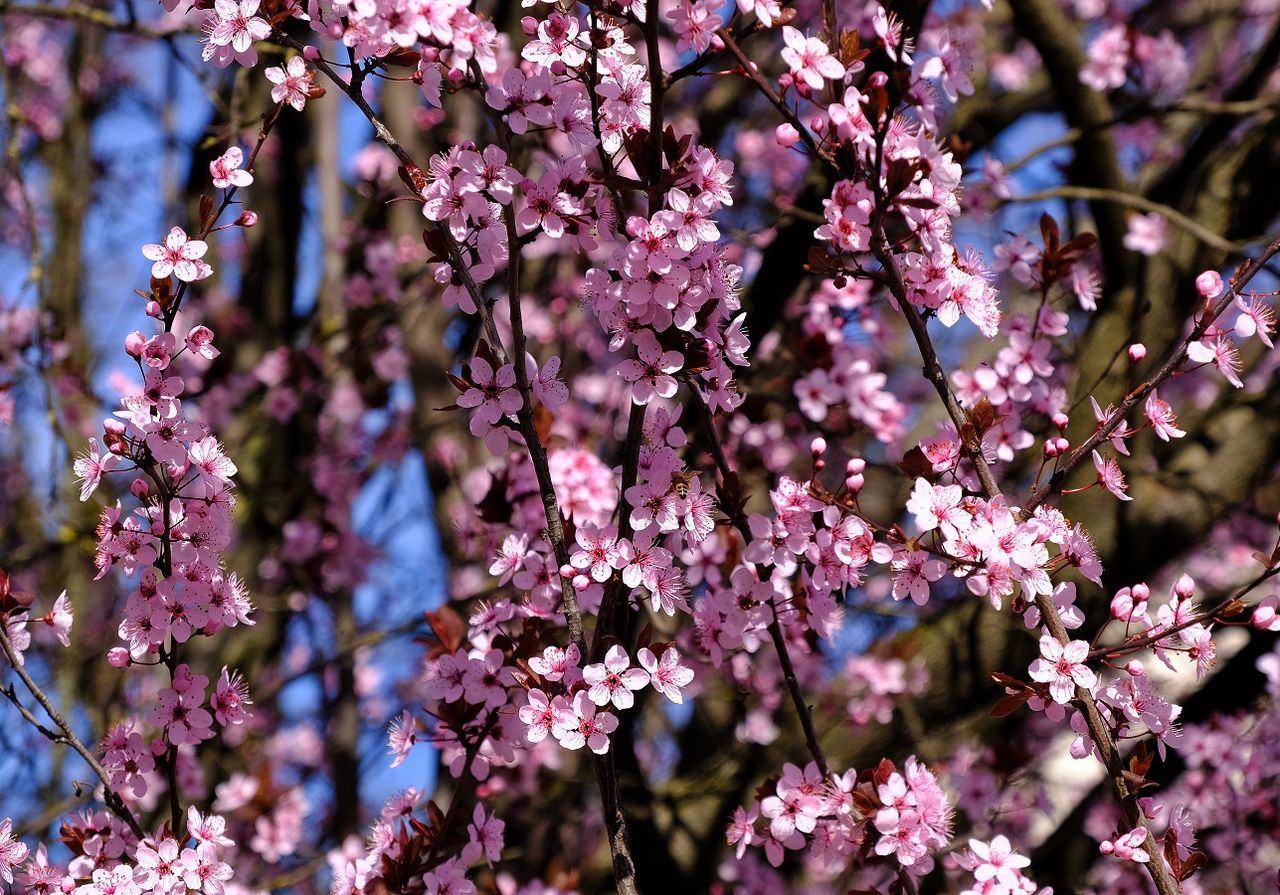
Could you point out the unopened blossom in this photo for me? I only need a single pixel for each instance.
(614, 679)
(293, 84)
(1062, 666)
(178, 256)
(225, 169)
(666, 675)
(1128, 846)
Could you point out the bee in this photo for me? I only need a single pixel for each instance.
(680, 482)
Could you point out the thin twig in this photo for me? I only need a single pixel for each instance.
(68, 735)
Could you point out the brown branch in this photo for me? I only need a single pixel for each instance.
(1167, 369)
(67, 736)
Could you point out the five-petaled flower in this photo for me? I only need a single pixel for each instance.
(1062, 666)
(293, 83)
(178, 256)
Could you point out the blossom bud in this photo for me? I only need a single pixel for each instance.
(567, 571)
(855, 466)
(854, 483)
(877, 81)
(139, 488)
(133, 344)
(336, 31)
(1061, 420)
(1050, 448)
(159, 746)
(786, 135)
(1063, 444)
(529, 25)
(1141, 593)
(1137, 351)
(1134, 668)
(118, 657)
(818, 446)
(113, 426)
(247, 219)
(1209, 284)
(310, 52)
(154, 310)
(1184, 587)
(818, 124)
(430, 54)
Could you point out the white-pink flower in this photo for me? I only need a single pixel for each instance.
(226, 170)
(666, 675)
(293, 83)
(809, 58)
(1062, 666)
(614, 679)
(178, 256)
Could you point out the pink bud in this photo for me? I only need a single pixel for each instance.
(159, 746)
(113, 426)
(139, 488)
(1141, 593)
(133, 343)
(247, 219)
(154, 310)
(1137, 351)
(567, 571)
(785, 81)
(818, 124)
(877, 80)
(1061, 420)
(1134, 667)
(856, 466)
(1185, 586)
(786, 135)
(854, 483)
(1063, 445)
(310, 53)
(818, 446)
(1050, 448)
(1209, 284)
(529, 25)
(118, 657)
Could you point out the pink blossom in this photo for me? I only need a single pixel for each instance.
(666, 675)
(1062, 667)
(809, 58)
(179, 256)
(613, 680)
(225, 169)
(293, 84)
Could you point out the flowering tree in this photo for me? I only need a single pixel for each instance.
(769, 537)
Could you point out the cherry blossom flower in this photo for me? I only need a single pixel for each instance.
(578, 724)
(90, 467)
(809, 58)
(613, 680)
(1218, 350)
(486, 834)
(1148, 233)
(202, 871)
(402, 737)
(238, 26)
(493, 395)
(225, 169)
(1162, 418)
(650, 374)
(1110, 476)
(178, 256)
(666, 675)
(293, 82)
(56, 623)
(1062, 666)
(12, 851)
